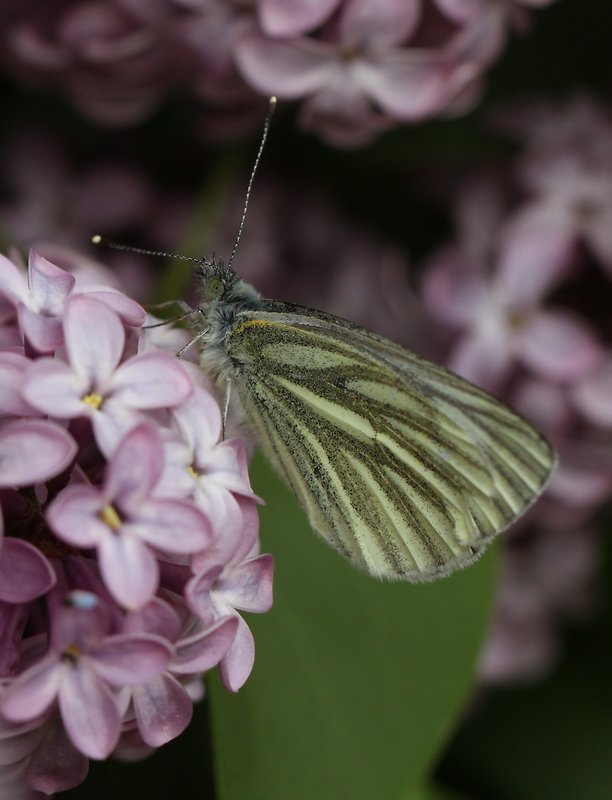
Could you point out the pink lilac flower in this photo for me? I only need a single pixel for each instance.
(82, 665)
(39, 299)
(566, 168)
(485, 24)
(200, 466)
(508, 297)
(125, 523)
(550, 559)
(37, 759)
(292, 17)
(241, 582)
(99, 651)
(94, 383)
(546, 578)
(358, 68)
(497, 303)
(163, 707)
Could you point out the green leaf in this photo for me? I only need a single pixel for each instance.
(357, 683)
(550, 739)
(433, 792)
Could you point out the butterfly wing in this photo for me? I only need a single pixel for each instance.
(405, 468)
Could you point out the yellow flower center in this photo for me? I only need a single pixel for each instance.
(351, 53)
(516, 320)
(71, 653)
(109, 516)
(94, 399)
(193, 472)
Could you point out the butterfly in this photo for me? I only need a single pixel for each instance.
(403, 467)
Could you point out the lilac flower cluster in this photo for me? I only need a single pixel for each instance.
(357, 68)
(514, 295)
(129, 532)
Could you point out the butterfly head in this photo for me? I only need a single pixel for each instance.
(220, 284)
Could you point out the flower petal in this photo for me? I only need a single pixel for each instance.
(411, 84)
(289, 69)
(238, 662)
(560, 346)
(33, 450)
(482, 360)
(12, 370)
(32, 692)
(173, 525)
(49, 285)
(248, 586)
(534, 257)
(129, 569)
(45, 334)
(74, 516)
(136, 465)
(89, 712)
(13, 619)
(156, 617)
(25, 573)
(151, 380)
(163, 710)
(13, 282)
(56, 764)
(203, 650)
(199, 420)
(129, 311)
(94, 339)
(52, 387)
(130, 659)
(387, 23)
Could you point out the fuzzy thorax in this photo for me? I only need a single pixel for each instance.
(225, 297)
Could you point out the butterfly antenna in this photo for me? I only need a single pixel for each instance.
(264, 136)
(102, 240)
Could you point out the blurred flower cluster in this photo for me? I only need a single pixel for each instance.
(357, 68)
(521, 298)
(129, 531)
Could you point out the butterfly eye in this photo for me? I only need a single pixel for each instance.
(213, 288)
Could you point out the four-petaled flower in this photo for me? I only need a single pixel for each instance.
(126, 523)
(82, 666)
(95, 383)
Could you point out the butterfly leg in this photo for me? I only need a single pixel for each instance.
(228, 387)
(191, 342)
(185, 307)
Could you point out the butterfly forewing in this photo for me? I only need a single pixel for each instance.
(405, 468)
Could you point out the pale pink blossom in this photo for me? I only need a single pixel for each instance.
(39, 298)
(124, 521)
(361, 66)
(243, 583)
(293, 17)
(202, 467)
(95, 383)
(82, 665)
(162, 706)
(494, 295)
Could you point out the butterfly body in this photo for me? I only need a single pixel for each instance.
(404, 468)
